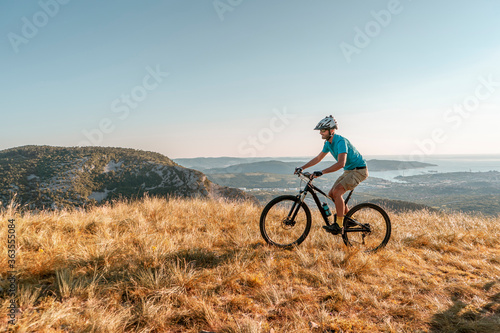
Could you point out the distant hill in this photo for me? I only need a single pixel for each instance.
(276, 167)
(387, 165)
(284, 168)
(204, 163)
(401, 206)
(472, 192)
(56, 177)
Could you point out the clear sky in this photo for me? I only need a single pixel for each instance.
(251, 77)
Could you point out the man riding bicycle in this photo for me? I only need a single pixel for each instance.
(347, 157)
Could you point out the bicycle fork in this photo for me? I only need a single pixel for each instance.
(296, 206)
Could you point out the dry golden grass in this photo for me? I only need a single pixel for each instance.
(181, 265)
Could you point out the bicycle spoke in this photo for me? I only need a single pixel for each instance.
(371, 230)
(278, 226)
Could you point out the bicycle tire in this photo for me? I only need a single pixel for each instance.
(277, 229)
(367, 214)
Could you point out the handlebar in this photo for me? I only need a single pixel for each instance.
(306, 175)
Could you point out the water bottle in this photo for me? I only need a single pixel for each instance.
(327, 209)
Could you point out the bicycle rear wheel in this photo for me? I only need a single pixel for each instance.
(285, 221)
(370, 228)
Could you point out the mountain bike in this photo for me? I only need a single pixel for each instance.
(286, 220)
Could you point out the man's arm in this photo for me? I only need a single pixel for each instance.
(337, 166)
(314, 161)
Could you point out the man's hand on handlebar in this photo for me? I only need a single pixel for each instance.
(317, 174)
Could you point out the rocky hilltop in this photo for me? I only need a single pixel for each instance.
(57, 177)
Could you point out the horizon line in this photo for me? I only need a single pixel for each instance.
(257, 157)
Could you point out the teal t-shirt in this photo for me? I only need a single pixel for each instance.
(341, 145)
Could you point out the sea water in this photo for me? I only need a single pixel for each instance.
(444, 163)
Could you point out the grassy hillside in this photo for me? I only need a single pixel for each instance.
(186, 265)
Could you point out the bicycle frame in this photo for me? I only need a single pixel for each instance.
(310, 188)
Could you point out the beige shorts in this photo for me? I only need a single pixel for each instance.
(351, 178)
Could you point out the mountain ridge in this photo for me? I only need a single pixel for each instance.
(57, 177)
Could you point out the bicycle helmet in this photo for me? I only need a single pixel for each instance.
(327, 123)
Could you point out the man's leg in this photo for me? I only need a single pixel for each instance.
(336, 194)
(348, 181)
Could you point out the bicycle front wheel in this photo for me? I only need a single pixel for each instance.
(285, 221)
(367, 226)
